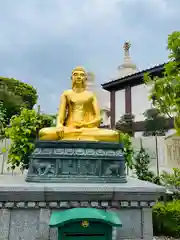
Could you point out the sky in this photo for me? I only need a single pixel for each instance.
(41, 41)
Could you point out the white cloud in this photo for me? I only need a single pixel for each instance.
(27, 22)
(41, 40)
(52, 18)
(164, 8)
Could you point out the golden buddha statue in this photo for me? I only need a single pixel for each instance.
(79, 115)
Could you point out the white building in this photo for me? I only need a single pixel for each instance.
(128, 94)
(102, 97)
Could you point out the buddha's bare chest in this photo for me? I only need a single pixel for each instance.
(79, 99)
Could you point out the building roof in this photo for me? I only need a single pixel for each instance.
(133, 79)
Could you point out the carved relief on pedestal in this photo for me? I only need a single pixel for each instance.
(74, 166)
(111, 168)
(90, 167)
(82, 162)
(67, 167)
(42, 167)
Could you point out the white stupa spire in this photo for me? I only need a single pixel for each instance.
(128, 67)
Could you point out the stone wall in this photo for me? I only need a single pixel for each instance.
(164, 153)
(29, 220)
(25, 208)
(173, 151)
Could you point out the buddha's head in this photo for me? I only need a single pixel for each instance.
(79, 77)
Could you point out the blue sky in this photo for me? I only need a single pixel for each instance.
(42, 40)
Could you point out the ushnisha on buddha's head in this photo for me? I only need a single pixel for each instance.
(79, 78)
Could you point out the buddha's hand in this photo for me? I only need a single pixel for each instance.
(78, 124)
(60, 132)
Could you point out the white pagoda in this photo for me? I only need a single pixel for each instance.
(127, 67)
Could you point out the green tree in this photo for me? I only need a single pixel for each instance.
(126, 141)
(141, 165)
(165, 92)
(51, 117)
(23, 132)
(10, 102)
(155, 123)
(2, 119)
(125, 124)
(15, 94)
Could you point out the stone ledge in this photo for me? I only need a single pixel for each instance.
(20, 191)
(83, 144)
(71, 204)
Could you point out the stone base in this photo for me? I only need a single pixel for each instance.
(25, 208)
(77, 161)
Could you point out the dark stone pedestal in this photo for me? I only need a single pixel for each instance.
(77, 161)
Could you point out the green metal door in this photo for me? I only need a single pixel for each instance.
(85, 237)
(84, 224)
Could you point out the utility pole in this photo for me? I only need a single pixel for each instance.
(38, 113)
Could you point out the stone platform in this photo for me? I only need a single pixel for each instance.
(77, 161)
(25, 208)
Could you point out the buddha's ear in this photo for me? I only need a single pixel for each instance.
(72, 82)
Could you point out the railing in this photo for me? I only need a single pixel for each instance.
(4, 167)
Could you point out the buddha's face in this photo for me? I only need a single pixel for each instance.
(79, 77)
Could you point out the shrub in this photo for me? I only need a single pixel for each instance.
(141, 165)
(172, 182)
(166, 218)
(22, 132)
(125, 139)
